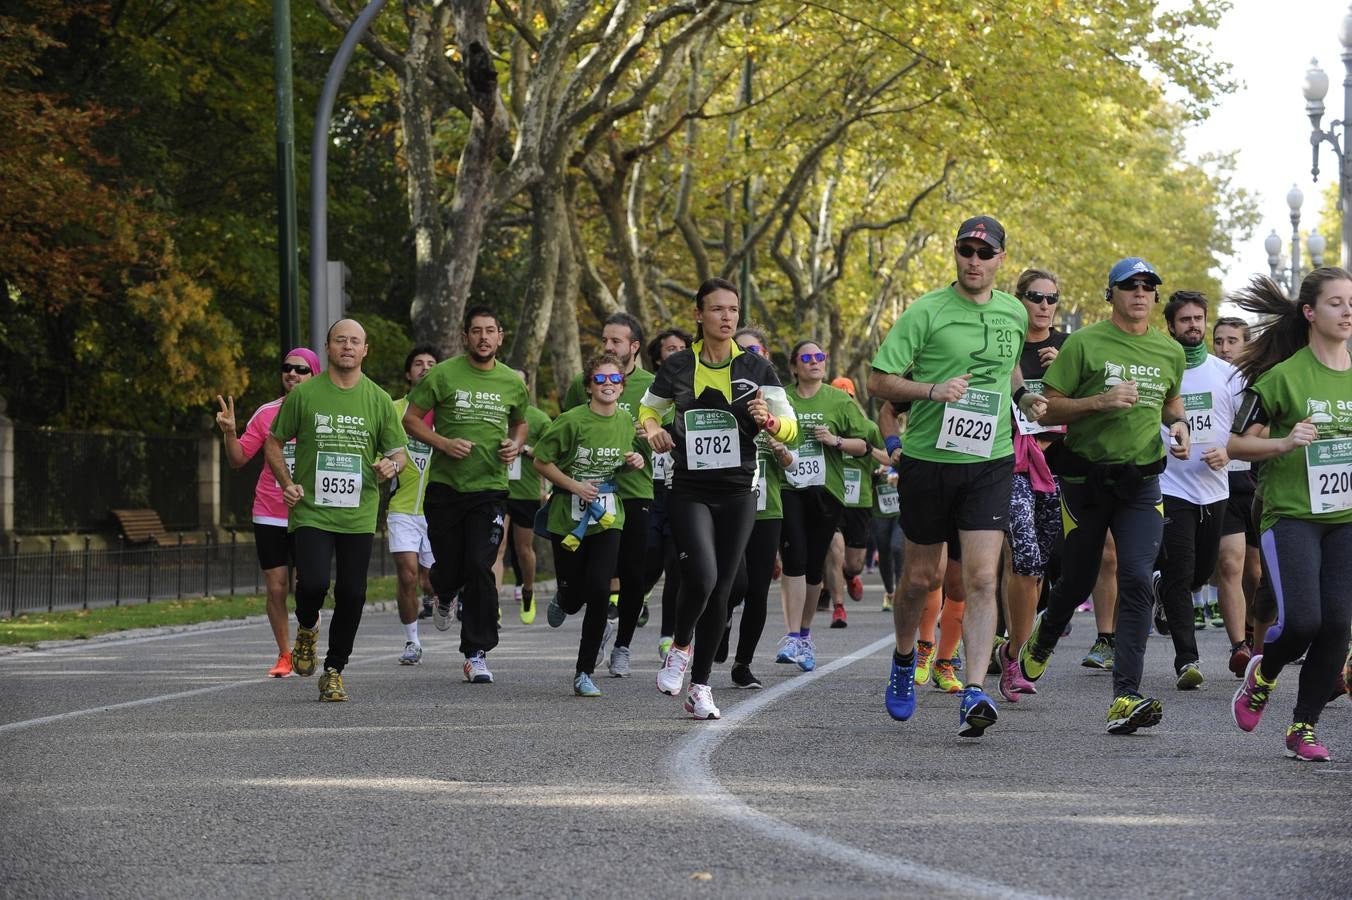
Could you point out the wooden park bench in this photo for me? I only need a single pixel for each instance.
(143, 526)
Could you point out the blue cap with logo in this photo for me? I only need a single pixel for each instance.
(1130, 267)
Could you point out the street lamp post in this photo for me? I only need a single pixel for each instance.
(1273, 245)
(1315, 88)
(1294, 198)
(1315, 243)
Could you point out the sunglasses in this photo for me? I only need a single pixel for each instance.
(613, 378)
(1132, 285)
(812, 357)
(752, 348)
(298, 368)
(966, 251)
(1039, 297)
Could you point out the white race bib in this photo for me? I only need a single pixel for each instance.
(580, 507)
(338, 480)
(1200, 412)
(759, 488)
(711, 440)
(811, 468)
(1238, 465)
(661, 466)
(289, 457)
(1328, 467)
(969, 424)
(888, 502)
(854, 479)
(1027, 425)
(514, 469)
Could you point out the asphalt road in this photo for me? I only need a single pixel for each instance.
(170, 766)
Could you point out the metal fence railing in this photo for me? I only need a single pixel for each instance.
(62, 579)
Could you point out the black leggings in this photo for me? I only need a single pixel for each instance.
(316, 551)
(752, 586)
(1188, 554)
(464, 531)
(886, 535)
(810, 520)
(711, 535)
(633, 557)
(660, 558)
(584, 581)
(1310, 565)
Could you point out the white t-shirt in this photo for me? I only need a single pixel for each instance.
(1211, 394)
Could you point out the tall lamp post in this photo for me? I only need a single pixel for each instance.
(1315, 88)
(1294, 198)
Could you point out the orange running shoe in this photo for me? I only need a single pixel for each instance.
(283, 667)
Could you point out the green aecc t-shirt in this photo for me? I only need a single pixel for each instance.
(478, 405)
(587, 447)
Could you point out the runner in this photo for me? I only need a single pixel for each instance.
(347, 438)
(831, 427)
(886, 531)
(525, 493)
(960, 345)
(581, 454)
(405, 525)
(480, 406)
(1299, 374)
(845, 559)
(622, 337)
(1196, 490)
(722, 397)
(1034, 532)
(1239, 569)
(661, 555)
(271, 538)
(1113, 383)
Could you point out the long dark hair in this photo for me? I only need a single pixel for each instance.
(1284, 328)
(707, 288)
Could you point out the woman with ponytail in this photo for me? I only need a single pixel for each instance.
(1297, 419)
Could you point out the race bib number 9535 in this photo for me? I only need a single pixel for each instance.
(338, 479)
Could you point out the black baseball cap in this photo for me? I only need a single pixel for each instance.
(983, 228)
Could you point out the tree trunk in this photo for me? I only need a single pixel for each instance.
(548, 238)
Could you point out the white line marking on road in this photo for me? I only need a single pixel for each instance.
(691, 774)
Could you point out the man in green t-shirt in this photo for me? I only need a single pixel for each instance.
(622, 337)
(347, 439)
(405, 524)
(1112, 384)
(480, 420)
(960, 345)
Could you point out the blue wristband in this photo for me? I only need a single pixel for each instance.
(892, 443)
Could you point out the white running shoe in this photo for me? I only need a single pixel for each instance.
(699, 702)
(606, 637)
(476, 669)
(671, 677)
(619, 662)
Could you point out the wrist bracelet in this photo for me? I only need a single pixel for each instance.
(893, 443)
(1018, 395)
(931, 391)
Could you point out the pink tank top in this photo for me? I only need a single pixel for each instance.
(268, 507)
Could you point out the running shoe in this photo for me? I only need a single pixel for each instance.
(1132, 711)
(331, 688)
(643, 615)
(855, 588)
(900, 693)
(426, 611)
(957, 657)
(824, 601)
(613, 610)
(1240, 654)
(699, 702)
(743, 678)
(1033, 657)
(1100, 656)
(1086, 606)
(476, 669)
(528, 607)
(946, 677)
(1252, 697)
(993, 667)
(1213, 611)
(788, 650)
(1161, 620)
(283, 667)
(1199, 622)
(838, 616)
(976, 713)
(606, 637)
(807, 654)
(619, 662)
(1189, 677)
(887, 601)
(1012, 682)
(663, 645)
(1302, 744)
(671, 677)
(441, 614)
(412, 654)
(554, 613)
(721, 655)
(303, 653)
(924, 661)
(583, 686)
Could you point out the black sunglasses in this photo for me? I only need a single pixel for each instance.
(1039, 297)
(812, 357)
(752, 348)
(1131, 286)
(966, 251)
(613, 378)
(298, 368)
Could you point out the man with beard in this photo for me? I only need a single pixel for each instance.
(480, 427)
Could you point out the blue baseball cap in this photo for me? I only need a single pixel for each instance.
(1131, 267)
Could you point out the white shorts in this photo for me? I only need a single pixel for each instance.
(408, 534)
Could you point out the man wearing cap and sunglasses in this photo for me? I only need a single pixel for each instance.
(961, 346)
(1113, 384)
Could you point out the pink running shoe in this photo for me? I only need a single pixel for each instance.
(1012, 682)
(1252, 697)
(1086, 606)
(1302, 744)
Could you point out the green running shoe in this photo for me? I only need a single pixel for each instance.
(1033, 656)
(1100, 656)
(1130, 712)
(331, 688)
(303, 653)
